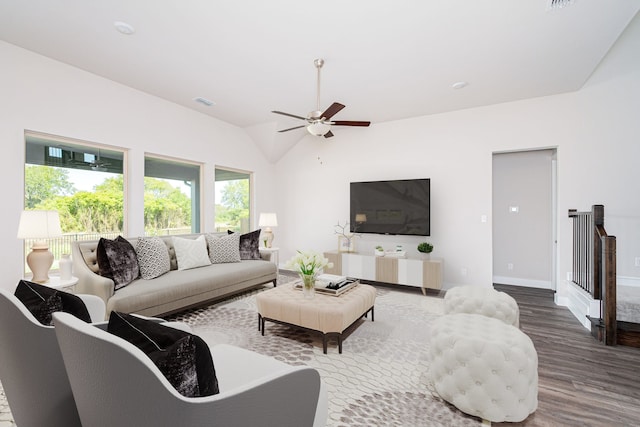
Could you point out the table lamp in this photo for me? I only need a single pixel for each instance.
(360, 219)
(40, 225)
(268, 220)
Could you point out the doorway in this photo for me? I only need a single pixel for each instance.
(524, 218)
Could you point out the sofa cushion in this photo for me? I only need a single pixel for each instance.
(224, 249)
(249, 244)
(118, 261)
(184, 359)
(42, 301)
(191, 253)
(178, 289)
(153, 257)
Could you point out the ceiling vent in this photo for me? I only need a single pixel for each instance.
(204, 101)
(559, 4)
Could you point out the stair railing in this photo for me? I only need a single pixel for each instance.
(594, 265)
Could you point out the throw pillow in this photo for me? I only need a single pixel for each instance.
(42, 301)
(153, 257)
(117, 260)
(184, 359)
(249, 244)
(224, 249)
(191, 253)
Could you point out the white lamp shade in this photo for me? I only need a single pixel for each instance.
(361, 217)
(39, 225)
(268, 220)
(318, 128)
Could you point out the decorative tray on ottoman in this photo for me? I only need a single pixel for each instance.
(336, 288)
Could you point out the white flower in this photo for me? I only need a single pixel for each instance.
(308, 262)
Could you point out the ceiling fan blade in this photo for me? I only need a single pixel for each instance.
(297, 127)
(332, 110)
(350, 123)
(290, 115)
(328, 134)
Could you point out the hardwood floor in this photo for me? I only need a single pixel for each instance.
(581, 382)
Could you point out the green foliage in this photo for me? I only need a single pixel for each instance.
(425, 247)
(234, 204)
(91, 212)
(44, 182)
(164, 206)
(235, 194)
(102, 210)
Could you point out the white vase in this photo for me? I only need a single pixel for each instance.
(66, 267)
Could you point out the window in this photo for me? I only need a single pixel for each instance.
(233, 206)
(171, 196)
(88, 194)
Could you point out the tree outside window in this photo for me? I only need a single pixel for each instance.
(171, 196)
(233, 200)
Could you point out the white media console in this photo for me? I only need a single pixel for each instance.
(421, 273)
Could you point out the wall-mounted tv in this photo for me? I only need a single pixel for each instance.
(391, 207)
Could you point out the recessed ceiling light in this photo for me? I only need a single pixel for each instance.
(124, 28)
(204, 101)
(459, 85)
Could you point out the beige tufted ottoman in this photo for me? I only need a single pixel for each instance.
(482, 300)
(484, 367)
(328, 314)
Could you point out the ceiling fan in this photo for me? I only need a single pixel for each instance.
(98, 165)
(319, 123)
(81, 158)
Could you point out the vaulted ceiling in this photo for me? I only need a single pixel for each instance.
(385, 60)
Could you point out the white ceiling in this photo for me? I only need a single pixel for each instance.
(385, 60)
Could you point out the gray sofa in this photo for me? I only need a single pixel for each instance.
(173, 291)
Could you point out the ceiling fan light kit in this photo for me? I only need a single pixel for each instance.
(318, 128)
(320, 122)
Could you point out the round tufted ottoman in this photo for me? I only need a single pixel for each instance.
(484, 367)
(482, 300)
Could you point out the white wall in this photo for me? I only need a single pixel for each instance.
(595, 131)
(39, 94)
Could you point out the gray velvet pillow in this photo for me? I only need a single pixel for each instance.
(249, 245)
(117, 260)
(184, 359)
(42, 301)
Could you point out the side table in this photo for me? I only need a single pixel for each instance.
(274, 254)
(67, 285)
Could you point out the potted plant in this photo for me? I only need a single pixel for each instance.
(379, 251)
(425, 248)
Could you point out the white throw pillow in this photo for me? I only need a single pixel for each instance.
(191, 253)
(224, 249)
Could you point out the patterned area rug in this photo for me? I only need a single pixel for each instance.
(380, 379)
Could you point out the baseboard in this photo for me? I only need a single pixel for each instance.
(515, 281)
(628, 281)
(579, 302)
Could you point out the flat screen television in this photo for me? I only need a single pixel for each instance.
(391, 207)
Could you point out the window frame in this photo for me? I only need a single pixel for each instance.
(43, 139)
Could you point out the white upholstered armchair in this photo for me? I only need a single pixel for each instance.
(31, 367)
(116, 384)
